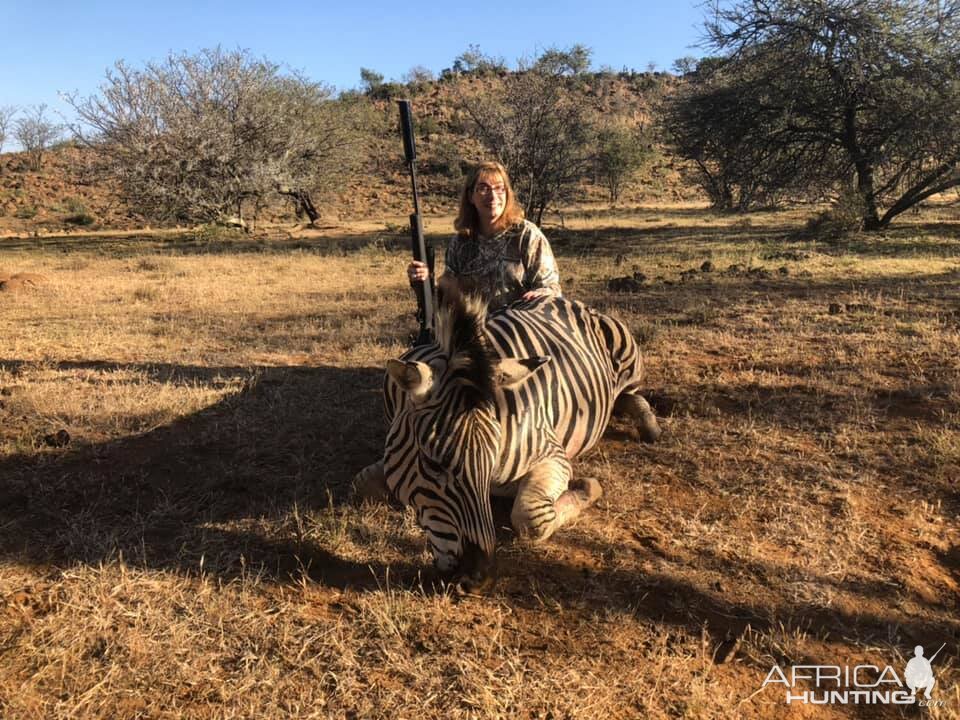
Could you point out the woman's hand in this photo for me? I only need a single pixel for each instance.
(417, 271)
(539, 292)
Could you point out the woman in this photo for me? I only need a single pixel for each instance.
(495, 253)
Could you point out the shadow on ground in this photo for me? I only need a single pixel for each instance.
(293, 437)
(186, 244)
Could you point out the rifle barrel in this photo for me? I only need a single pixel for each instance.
(936, 653)
(410, 149)
(418, 244)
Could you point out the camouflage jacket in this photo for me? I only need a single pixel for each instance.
(504, 267)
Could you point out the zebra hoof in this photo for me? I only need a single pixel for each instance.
(589, 490)
(369, 484)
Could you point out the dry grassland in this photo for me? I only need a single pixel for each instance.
(187, 548)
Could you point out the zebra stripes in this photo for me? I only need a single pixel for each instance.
(500, 405)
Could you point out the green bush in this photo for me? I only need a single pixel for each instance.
(80, 218)
(428, 126)
(621, 153)
(215, 233)
(26, 212)
(843, 217)
(446, 160)
(74, 205)
(388, 91)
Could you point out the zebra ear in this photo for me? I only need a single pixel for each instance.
(513, 371)
(415, 378)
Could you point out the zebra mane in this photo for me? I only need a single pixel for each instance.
(460, 334)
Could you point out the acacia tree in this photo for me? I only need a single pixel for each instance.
(36, 133)
(209, 137)
(574, 60)
(738, 144)
(538, 129)
(6, 115)
(621, 152)
(859, 92)
(474, 61)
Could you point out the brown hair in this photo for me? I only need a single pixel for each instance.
(467, 223)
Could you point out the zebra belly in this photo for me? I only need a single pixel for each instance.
(508, 489)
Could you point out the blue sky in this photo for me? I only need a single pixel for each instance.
(50, 47)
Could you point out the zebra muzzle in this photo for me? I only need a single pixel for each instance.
(477, 571)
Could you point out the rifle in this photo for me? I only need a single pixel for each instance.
(421, 252)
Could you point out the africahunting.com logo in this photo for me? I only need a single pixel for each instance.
(860, 684)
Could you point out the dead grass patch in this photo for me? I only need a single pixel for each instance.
(190, 552)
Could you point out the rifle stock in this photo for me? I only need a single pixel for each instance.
(421, 253)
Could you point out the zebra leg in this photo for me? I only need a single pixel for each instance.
(370, 484)
(634, 406)
(546, 501)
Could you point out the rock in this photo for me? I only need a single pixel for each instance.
(11, 285)
(21, 281)
(59, 439)
(623, 285)
(794, 255)
(784, 270)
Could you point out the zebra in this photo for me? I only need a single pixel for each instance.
(499, 405)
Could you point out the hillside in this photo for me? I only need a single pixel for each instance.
(66, 196)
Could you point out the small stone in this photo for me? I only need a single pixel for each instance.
(59, 439)
(623, 284)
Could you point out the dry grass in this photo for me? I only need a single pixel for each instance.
(187, 551)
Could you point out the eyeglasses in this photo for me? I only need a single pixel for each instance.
(484, 189)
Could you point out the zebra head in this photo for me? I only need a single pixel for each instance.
(444, 442)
